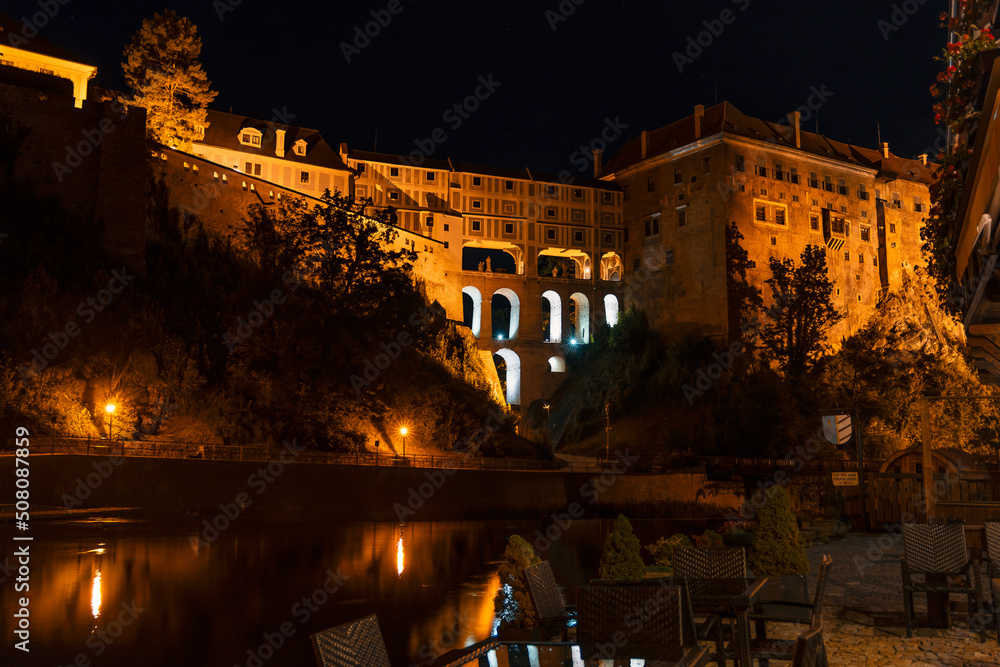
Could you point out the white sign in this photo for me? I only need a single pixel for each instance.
(845, 478)
(837, 428)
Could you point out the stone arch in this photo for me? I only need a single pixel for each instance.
(582, 317)
(555, 317)
(513, 374)
(515, 311)
(612, 267)
(557, 365)
(472, 311)
(611, 309)
(515, 252)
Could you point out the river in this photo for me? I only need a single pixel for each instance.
(144, 593)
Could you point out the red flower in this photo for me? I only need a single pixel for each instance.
(952, 69)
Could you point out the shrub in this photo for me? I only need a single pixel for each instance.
(777, 548)
(513, 602)
(663, 549)
(621, 559)
(708, 539)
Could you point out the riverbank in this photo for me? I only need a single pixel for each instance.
(295, 491)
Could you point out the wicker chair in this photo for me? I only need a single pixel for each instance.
(553, 613)
(762, 648)
(810, 651)
(635, 621)
(993, 558)
(714, 563)
(938, 549)
(355, 644)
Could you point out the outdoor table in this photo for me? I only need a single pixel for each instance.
(733, 596)
(550, 654)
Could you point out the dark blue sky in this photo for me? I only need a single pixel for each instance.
(557, 87)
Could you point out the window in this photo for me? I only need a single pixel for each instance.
(361, 168)
(651, 184)
(892, 227)
(648, 223)
(550, 213)
(394, 172)
(244, 185)
(608, 239)
(300, 149)
(577, 193)
(861, 258)
(829, 205)
(763, 192)
(508, 228)
(864, 214)
(774, 240)
(550, 234)
(918, 205)
(477, 181)
(781, 195)
(656, 223)
(762, 170)
(393, 196)
(841, 187)
(225, 178)
(866, 234)
(678, 176)
(606, 196)
(740, 163)
(477, 225)
(843, 208)
(896, 201)
(577, 237)
(477, 204)
(761, 213)
(430, 176)
(625, 191)
(550, 190)
(779, 171)
(875, 261)
(779, 216)
(742, 187)
(815, 202)
(706, 164)
(445, 245)
(446, 226)
(793, 175)
(847, 255)
(508, 185)
(668, 257)
(813, 180)
(862, 192)
(253, 169)
(681, 217)
(837, 226)
(250, 137)
(304, 177)
(625, 235)
(795, 198)
(813, 221)
(828, 183)
(430, 221)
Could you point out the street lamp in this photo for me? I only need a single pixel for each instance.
(403, 431)
(110, 409)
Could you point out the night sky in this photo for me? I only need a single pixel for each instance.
(557, 86)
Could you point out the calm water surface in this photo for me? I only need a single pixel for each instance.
(143, 593)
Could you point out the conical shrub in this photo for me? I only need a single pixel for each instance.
(513, 602)
(621, 558)
(777, 548)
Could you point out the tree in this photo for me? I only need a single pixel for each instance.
(802, 313)
(745, 301)
(161, 66)
(513, 602)
(777, 548)
(621, 559)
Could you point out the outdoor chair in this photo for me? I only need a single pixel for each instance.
(810, 651)
(553, 614)
(993, 571)
(626, 622)
(351, 645)
(762, 648)
(711, 563)
(938, 549)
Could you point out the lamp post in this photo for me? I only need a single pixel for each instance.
(403, 431)
(110, 409)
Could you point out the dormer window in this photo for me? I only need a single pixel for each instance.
(299, 147)
(250, 137)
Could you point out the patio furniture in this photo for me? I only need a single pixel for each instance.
(712, 563)
(351, 645)
(939, 553)
(810, 651)
(732, 596)
(762, 648)
(992, 529)
(635, 622)
(554, 616)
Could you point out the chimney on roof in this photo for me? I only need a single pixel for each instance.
(344, 152)
(923, 159)
(794, 119)
(885, 149)
(645, 143)
(597, 163)
(280, 143)
(699, 115)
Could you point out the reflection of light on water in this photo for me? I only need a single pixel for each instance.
(95, 595)
(399, 554)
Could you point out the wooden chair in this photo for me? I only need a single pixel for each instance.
(762, 648)
(355, 644)
(628, 622)
(553, 613)
(938, 549)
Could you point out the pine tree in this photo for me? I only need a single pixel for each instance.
(513, 602)
(161, 66)
(777, 549)
(621, 559)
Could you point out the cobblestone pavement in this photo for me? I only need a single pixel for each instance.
(864, 622)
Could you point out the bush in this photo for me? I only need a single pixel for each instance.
(708, 539)
(663, 549)
(513, 602)
(621, 559)
(777, 548)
